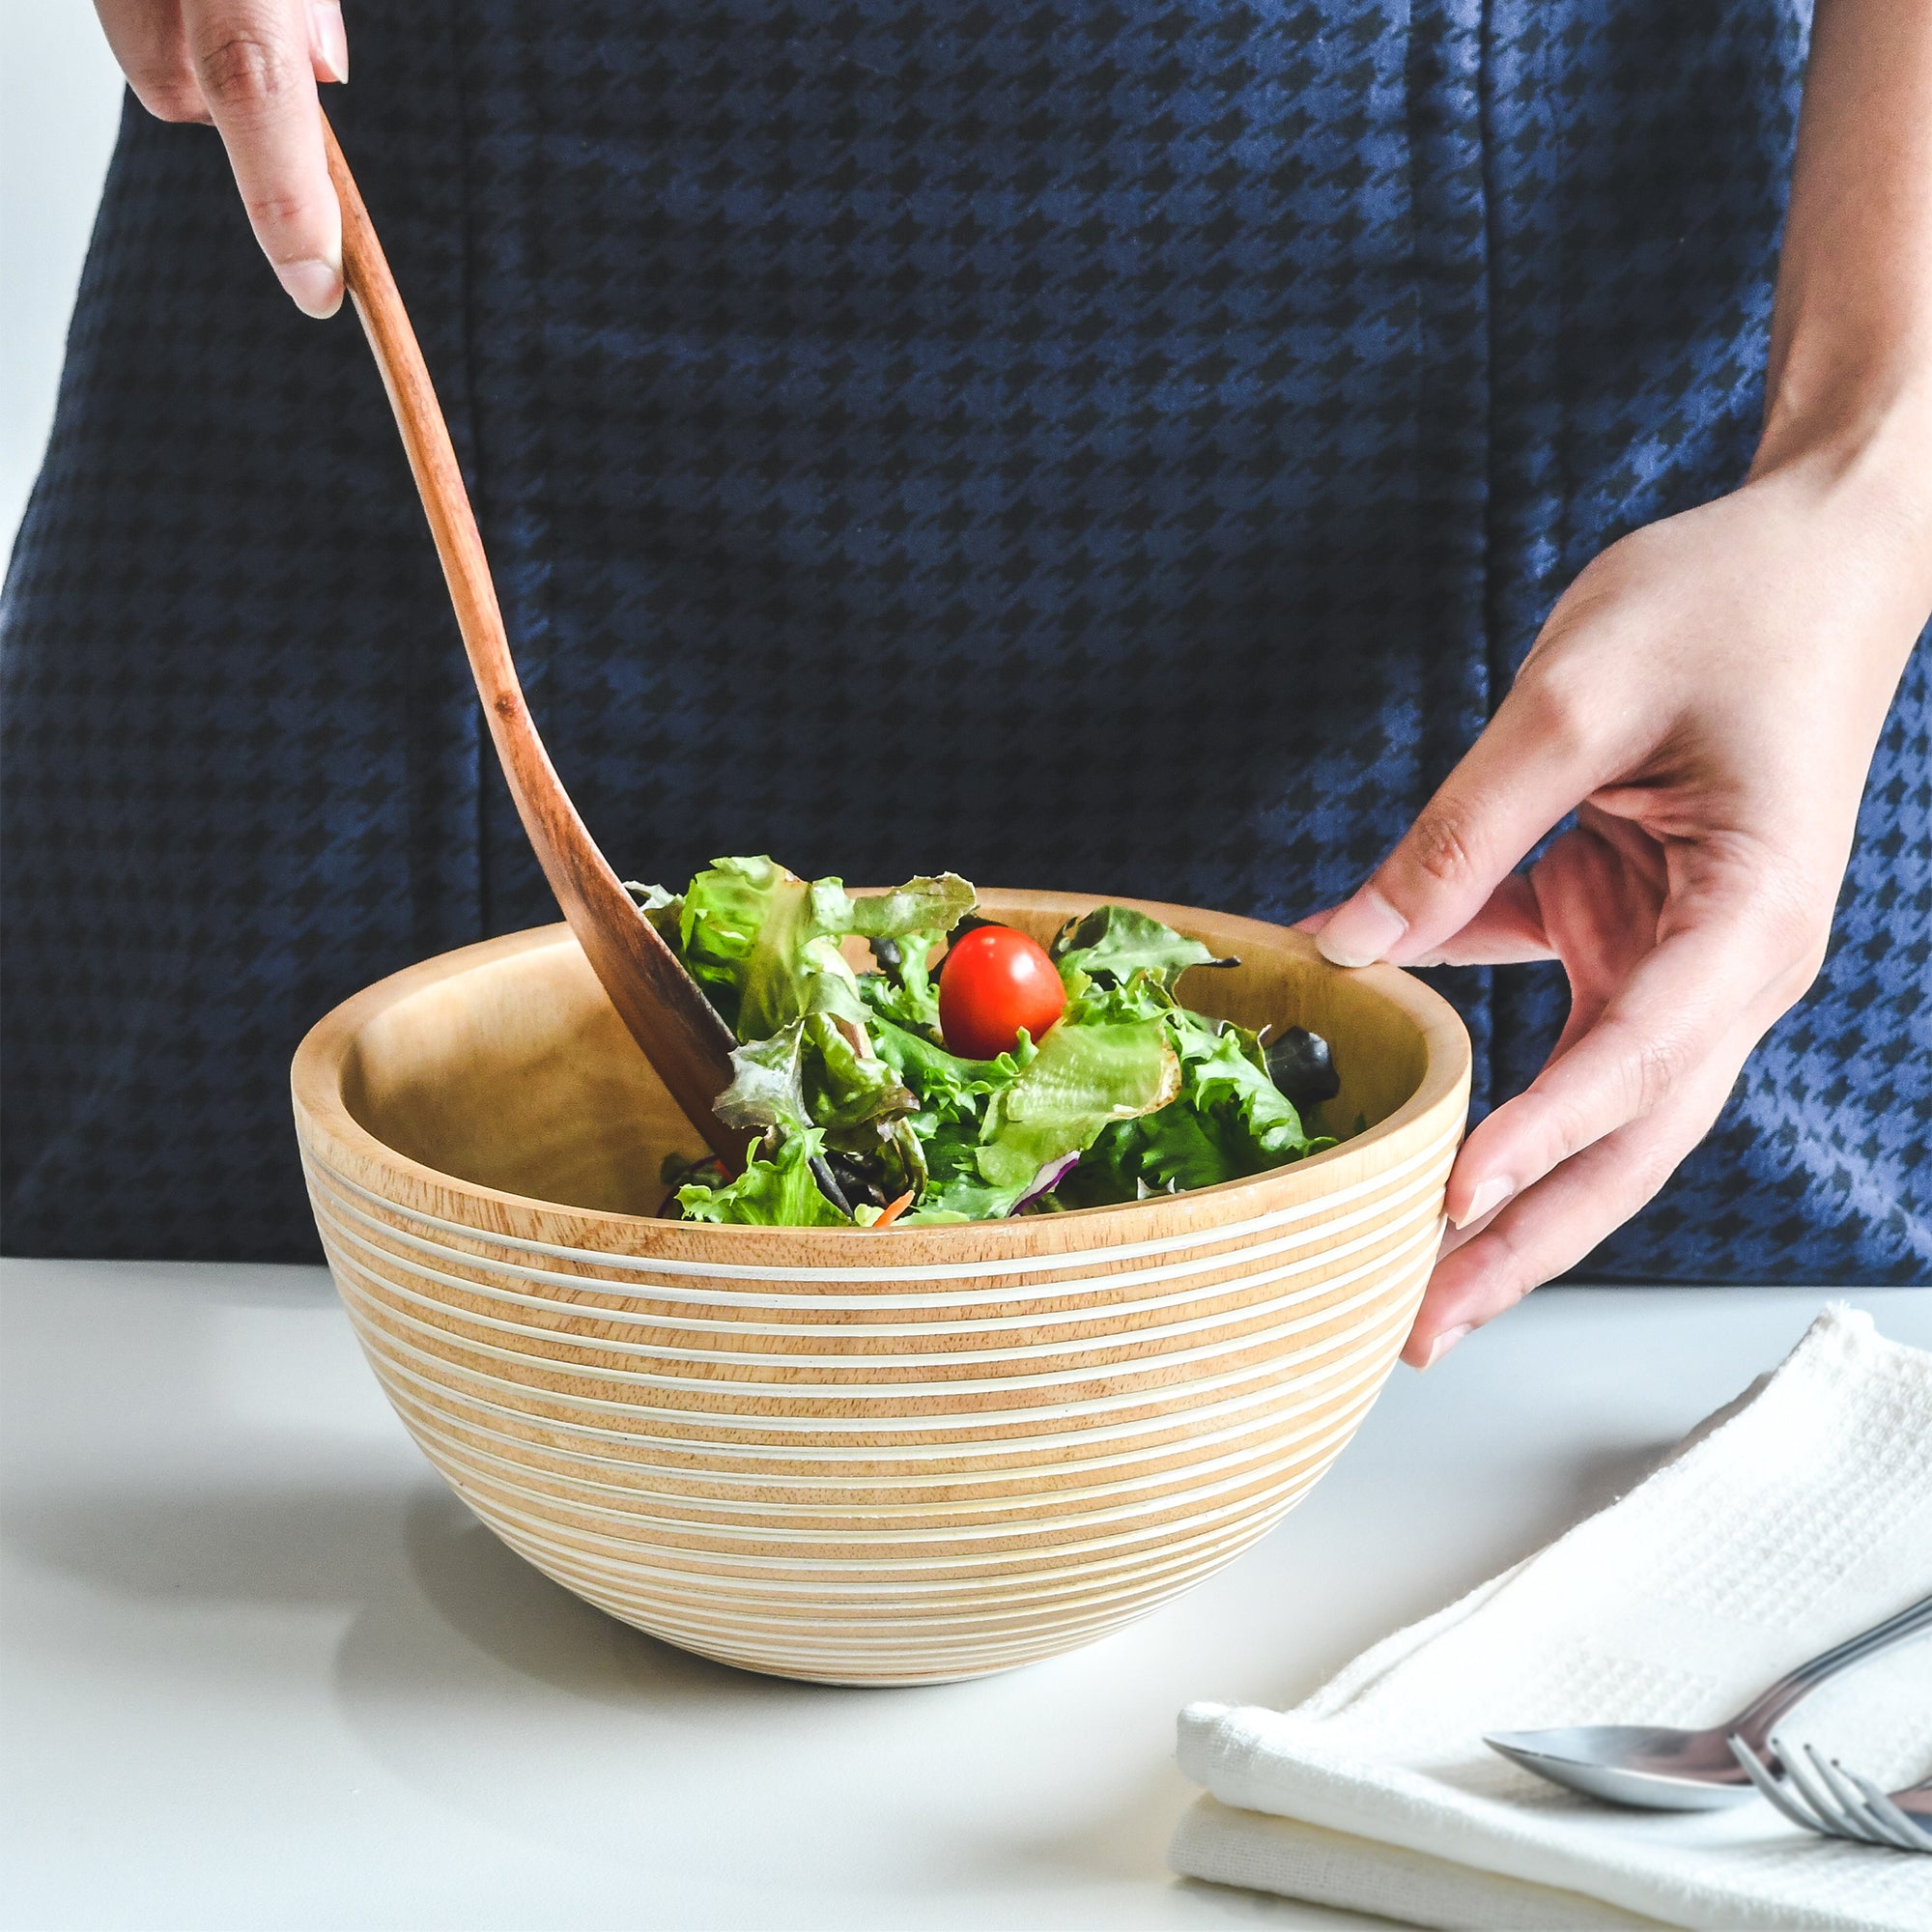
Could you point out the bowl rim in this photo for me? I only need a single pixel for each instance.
(1436, 1107)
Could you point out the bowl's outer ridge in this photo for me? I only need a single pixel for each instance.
(899, 1456)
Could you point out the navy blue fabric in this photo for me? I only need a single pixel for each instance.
(1120, 448)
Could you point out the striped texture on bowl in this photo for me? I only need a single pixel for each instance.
(883, 1458)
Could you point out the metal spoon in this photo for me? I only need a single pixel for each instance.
(1663, 1769)
(680, 1032)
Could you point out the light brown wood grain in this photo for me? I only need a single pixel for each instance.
(685, 1042)
(861, 1456)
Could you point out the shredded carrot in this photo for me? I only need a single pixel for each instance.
(893, 1213)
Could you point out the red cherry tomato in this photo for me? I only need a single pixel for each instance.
(994, 981)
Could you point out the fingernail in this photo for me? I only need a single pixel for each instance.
(1361, 932)
(329, 41)
(1486, 1200)
(1444, 1342)
(313, 286)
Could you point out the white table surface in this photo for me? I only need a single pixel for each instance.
(261, 1669)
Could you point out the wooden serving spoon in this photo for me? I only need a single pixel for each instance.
(679, 1031)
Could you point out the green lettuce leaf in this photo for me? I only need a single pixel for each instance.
(1113, 943)
(846, 1087)
(1082, 1078)
(921, 907)
(767, 1086)
(1189, 1149)
(947, 1088)
(902, 990)
(1230, 1120)
(748, 937)
(764, 942)
(1109, 1171)
(808, 1074)
(1143, 995)
(1220, 1077)
(774, 1191)
(663, 909)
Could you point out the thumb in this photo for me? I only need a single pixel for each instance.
(1531, 765)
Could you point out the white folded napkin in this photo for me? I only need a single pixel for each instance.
(1792, 1519)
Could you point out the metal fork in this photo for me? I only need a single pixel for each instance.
(1836, 1802)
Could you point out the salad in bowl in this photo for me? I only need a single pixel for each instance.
(959, 1070)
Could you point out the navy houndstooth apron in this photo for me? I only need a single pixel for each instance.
(1119, 448)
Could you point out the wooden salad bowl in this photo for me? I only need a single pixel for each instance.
(893, 1456)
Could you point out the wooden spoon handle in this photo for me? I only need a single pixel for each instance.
(667, 1015)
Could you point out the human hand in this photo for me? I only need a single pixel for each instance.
(1707, 696)
(249, 67)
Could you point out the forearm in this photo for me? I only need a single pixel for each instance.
(1849, 384)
